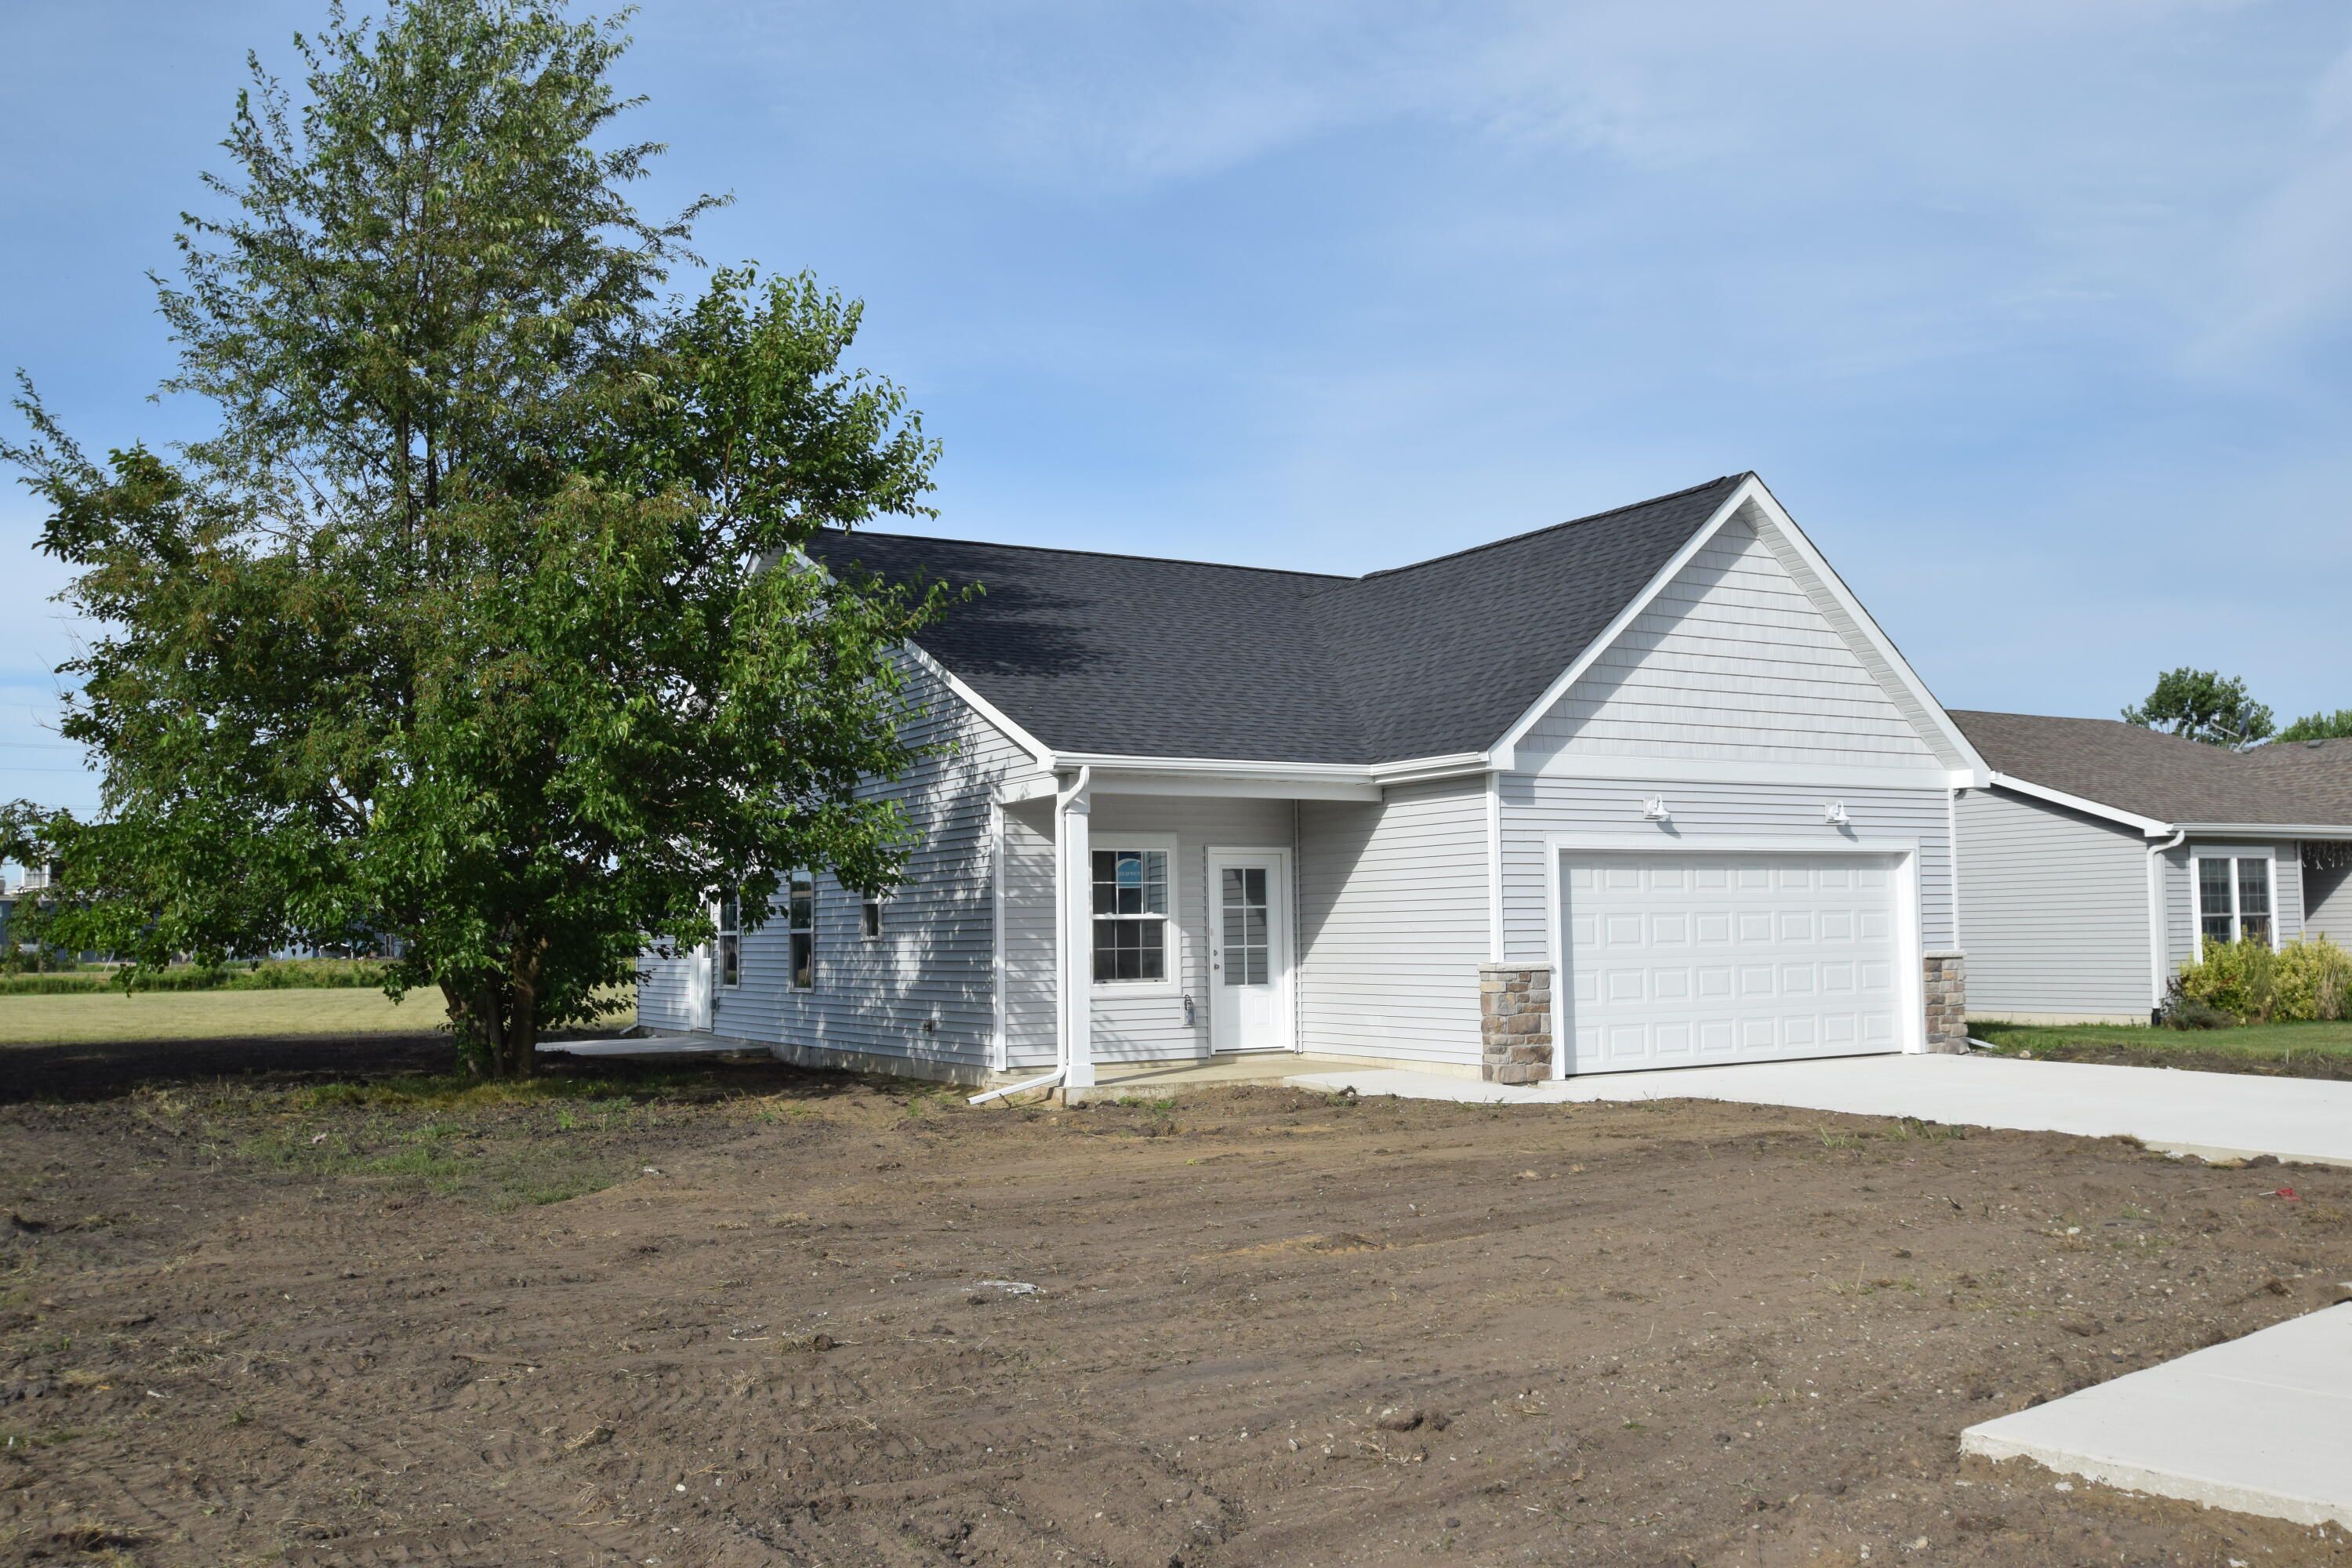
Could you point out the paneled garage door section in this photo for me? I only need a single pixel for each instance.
(1678, 959)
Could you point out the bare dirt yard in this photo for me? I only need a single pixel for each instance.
(266, 1301)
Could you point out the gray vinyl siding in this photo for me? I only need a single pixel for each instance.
(1537, 805)
(1132, 1028)
(664, 994)
(1032, 1028)
(2327, 904)
(1392, 923)
(2181, 892)
(1732, 662)
(2053, 908)
(933, 963)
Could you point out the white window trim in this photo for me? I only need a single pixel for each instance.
(2231, 852)
(816, 892)
(1172, 982)
(720, 939)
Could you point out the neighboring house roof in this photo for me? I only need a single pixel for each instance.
(2143, 772)
(2319, 773)
(1138, 656)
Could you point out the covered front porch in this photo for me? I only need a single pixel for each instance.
(1161, 928)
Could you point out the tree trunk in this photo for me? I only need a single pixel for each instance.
(522, 1007)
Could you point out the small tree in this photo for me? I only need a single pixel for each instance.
(479, 628)
(2318, 727)
(2203, 705)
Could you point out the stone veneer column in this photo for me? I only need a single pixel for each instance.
(1945, 986)
(1515, 1022)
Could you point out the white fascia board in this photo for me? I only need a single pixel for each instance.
(2146, 824)
(2266, 830)
(981, 705)
(1504, 755)
(1961, 754)
(1671, 770)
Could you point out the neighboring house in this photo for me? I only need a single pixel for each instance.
(1182, 809)
(2100, 854)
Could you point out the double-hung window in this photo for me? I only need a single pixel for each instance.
(2233, 898)
(1132, 942)
(730, 938)
(800, 927)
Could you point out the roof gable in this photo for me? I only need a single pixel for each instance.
(1732, 660)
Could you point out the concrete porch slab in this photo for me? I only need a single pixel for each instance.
(2217, 1116)
(1161, 1080)
(2261, 1425)
(648, 1046)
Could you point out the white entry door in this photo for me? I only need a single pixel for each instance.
(1249, 950)
(1679, 959)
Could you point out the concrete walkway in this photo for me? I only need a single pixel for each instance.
(2262, 1425)
(2218, 1116)
(644, 1046)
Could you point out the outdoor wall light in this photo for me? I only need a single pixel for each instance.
(1833, 813)
(1653, 809)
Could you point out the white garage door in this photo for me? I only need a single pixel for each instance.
(1677, 960)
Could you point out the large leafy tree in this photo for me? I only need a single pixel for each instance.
(2318, 727)
(2203, 705)
(477, 626)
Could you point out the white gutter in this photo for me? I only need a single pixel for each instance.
(1404, 771)
(2267, 830)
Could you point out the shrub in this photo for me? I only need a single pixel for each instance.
(2182, 1012)
(2309, 978)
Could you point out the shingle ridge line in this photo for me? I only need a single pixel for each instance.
(1555, 527)
(1096, 555)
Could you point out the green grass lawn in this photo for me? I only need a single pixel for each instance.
(216, 1015)
(2317, 1050)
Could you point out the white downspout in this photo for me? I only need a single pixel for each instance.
(1073, 999)
(2159, 977)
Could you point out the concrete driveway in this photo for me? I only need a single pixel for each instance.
(2218, 1116)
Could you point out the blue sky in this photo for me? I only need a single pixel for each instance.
(2034, 315)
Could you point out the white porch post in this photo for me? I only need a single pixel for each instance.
(1076, 865)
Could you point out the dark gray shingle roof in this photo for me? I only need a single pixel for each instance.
(1140, 656)
(2318, 772)
(2140, 771)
